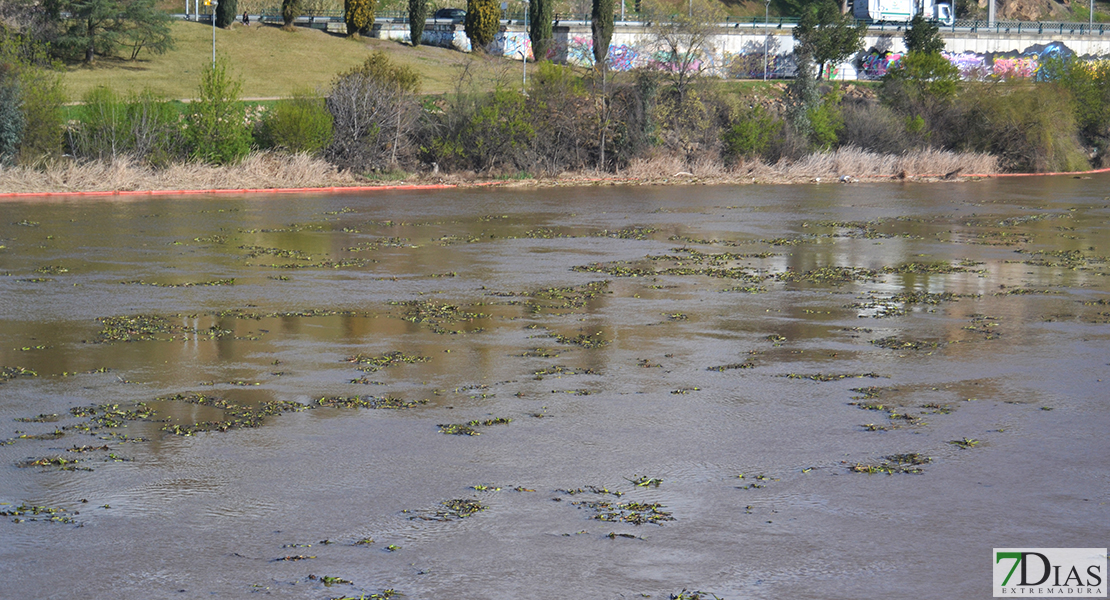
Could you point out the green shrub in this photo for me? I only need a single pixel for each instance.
(102, 128)
(750, 135)
(298, 124)
(44, 132)
(1088, 83)
(825, 122)
(483, 19)
(1030, 127)
(12, 121)
(217, 132)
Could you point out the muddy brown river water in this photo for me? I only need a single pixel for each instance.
(750, 392)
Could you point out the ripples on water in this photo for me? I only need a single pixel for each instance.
(741, 382)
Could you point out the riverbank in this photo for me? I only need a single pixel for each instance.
(276, 172)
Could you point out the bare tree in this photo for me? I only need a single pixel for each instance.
(684, 32)
(374, 109)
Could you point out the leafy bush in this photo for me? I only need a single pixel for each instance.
(486, 133)
(102, 125)
(874, 127)
(751, 134)
(1088, 84)
(483, 19)
(298, 124)
(12, 121)
(1030, 127)
(825, 121)
(217, 132)
(44, 132)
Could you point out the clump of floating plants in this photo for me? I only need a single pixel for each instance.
(829, 275)
(438, 316)
(938, 268)
(452, 510)
(589, 341)
(896, 343)
(561, 371)
(109, 416)
(694, 595)
(236, 416)
(375, 402)
(895, 463)
(469, 428)
(731, 366)
(10, 373)
(370, 364)
(824, 377)
(645, 481)
(635, 513)
(964, 443)
(383, 595)
(566, 298)
(61, 463)
(210, 283)
(28, 512)
(136, 328)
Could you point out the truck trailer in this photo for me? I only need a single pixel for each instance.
(901, 11)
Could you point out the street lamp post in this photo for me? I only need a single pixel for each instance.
(766, 36)
(215, 3)
(524, 53)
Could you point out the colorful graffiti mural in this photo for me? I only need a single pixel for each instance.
(972, 66)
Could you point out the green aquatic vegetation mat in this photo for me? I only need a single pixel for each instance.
(591, 341)
(30, 512)
(566, 298)
(440, 317)
(451, 510)
(897, 343)
(137, 328)
(372, 402)
(731, 366)
(825, 377)
(256, 251)
(828, 275)
(561, 371)
(372, 364)
(235, 416)
(188, 284)
(9, 373)
(894, 464)
(938, 267)
(470, 428)
(634, 513)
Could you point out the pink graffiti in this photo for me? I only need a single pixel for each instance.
(1022, 67)
(875, 66)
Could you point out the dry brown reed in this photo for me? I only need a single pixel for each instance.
(265, 170)
(258, 170)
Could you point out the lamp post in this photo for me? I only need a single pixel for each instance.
(214, 4)
(524, 54)
(766, 36)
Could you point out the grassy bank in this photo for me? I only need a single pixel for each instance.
(272, 62)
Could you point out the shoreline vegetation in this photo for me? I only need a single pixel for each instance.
(374, 126)
(269, 170)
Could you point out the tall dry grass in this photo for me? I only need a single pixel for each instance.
(258, 170)
(279, 170)
(853, 162)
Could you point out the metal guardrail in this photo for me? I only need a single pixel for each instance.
(965, 25)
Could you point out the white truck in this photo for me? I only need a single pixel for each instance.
(901, 11)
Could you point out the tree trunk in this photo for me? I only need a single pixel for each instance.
(90, 52)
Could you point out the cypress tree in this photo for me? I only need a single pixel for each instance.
(540, 27)
(601, 22)
(359, 16)
(290, 10)
(483, 19)
(226, 11)
(418, 14)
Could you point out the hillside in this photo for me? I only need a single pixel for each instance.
(271, 62)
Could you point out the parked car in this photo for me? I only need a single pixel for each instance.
(452, 14)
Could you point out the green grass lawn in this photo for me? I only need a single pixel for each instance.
(271, 62)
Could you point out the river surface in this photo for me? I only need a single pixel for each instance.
(812, 391)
